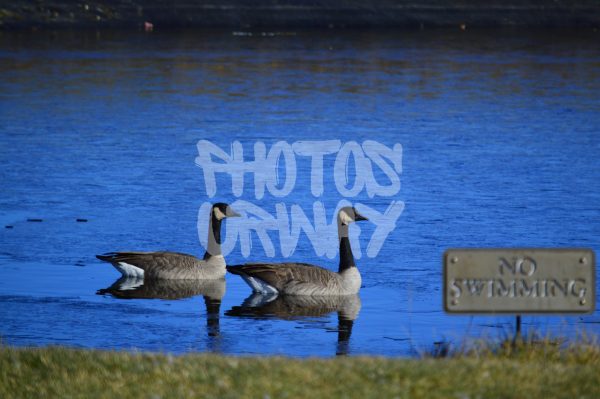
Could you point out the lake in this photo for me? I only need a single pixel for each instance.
(499, 135)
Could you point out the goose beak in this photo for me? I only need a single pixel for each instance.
(359, 217)
(230, 213)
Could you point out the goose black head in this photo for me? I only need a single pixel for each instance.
(221, 211)
(349, 214)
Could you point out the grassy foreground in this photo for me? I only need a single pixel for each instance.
(541, 372)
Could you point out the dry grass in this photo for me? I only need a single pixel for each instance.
(541, 370)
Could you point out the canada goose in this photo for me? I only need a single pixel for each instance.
(293, 307)
(174, 265)
(136, 288)
(305, 279)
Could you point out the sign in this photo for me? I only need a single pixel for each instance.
(517, 281)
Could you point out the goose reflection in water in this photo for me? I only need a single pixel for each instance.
(298, 307)
(136, 288)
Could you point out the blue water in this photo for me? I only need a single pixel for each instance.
(500, 134)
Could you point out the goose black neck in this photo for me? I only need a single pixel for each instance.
(346, 258)
(214, 237)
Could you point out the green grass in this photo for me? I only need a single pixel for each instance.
(543, 370)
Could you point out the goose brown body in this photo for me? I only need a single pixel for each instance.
(168, 265)
(301, 278)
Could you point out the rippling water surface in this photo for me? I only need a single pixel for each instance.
(500, 134)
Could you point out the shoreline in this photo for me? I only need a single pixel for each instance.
(262, 14)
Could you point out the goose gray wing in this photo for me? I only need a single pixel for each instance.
(156, 264)
(281, 275)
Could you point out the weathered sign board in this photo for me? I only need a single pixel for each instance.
(519, 281)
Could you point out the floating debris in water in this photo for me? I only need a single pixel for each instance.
(264, 34)
(492, 325)
(8, 227)
(397, 339)
(34, 220)
(81, 220)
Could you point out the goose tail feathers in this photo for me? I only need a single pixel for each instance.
(107, 257)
